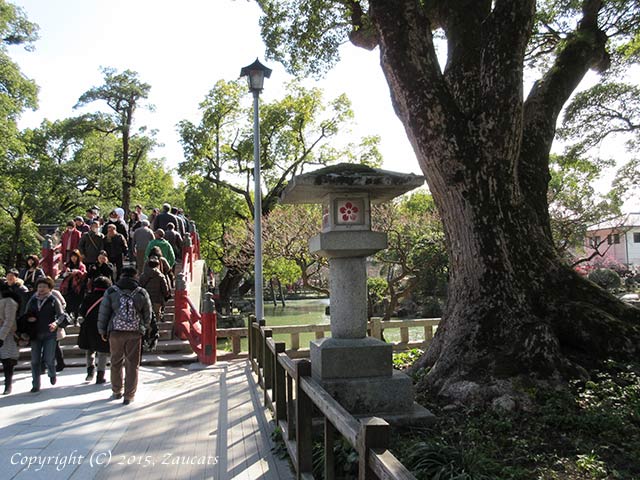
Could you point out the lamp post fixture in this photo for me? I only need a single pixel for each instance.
(256, 73)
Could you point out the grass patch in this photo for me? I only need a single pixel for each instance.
(591, 431)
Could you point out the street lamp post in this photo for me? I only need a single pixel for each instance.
(256, 73)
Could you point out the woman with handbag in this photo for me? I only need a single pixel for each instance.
(45, 314)
(73, 276)
(9, 302)
(89, 338)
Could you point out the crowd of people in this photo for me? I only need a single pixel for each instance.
(115, 303)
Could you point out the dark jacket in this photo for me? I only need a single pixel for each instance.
(163, 219)
(29, 277)
(175, 239)
(101, 270)
(155, 283)
(89, 338)
(23, 294)
(115, 247)
(90, 245)
(48, 311)
(109, 305)
(121, 227)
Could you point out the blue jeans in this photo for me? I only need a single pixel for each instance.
(45, 349)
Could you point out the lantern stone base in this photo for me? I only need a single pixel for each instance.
(359, 374)
(373, 395)
(333, 358)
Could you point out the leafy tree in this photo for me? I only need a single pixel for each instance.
(17, 92)
(123, 93)
(287, 231)
(214, 208)
(19, 187)
(574, 205)
(415, 258)
(294, 132)
(515, 312)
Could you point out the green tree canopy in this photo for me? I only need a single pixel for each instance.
(295, 131)
(123, 93)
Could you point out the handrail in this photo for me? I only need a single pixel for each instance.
(294, 396)
(189, 324)
(376, 327)
(51, 257)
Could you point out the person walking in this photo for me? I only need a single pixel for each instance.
(69, 241)
(74, 278)
(44, 312)
(16, 285)
(140, 212)
(162, 219)
(114, 219)
(8, 348)
(89, 339)
(164, 267)
(100, 269)
(157, 286)
(123, 318)
(31, 273)
(175, 239)
(115, 245)
(165, 247)
(91, 244)
(81, 226)
(141, 238)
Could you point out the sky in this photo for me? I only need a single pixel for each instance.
(182, 49)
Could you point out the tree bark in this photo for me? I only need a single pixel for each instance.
(126, 170)
(17, 233)
(516, 315)
(228, 285)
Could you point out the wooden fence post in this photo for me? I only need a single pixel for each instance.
(279, 386)
(329, 458)
(304, 414)
(374, 433)
(376, 328)
(291, 410)
(267, 363)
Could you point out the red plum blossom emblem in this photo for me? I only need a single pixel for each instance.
(349, 212)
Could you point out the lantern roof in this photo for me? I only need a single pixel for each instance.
(381, 185)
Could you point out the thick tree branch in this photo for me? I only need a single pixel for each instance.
(583, 49)
(419, 93)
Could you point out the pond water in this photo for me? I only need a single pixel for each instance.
(311, 312)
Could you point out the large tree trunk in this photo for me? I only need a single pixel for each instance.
(515, 314)
(227, 287)
(126, 168)
(15, 238)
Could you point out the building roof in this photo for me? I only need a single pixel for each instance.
(623, 221)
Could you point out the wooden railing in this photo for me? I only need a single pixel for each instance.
(376, 328)
(294, 397)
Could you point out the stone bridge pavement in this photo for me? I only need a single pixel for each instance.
(205, 424)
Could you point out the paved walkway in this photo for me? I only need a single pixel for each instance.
(206, 424)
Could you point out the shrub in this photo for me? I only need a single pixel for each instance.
(605, 278)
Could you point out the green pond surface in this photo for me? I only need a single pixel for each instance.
(311, 312)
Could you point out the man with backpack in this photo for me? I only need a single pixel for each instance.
(123, 318)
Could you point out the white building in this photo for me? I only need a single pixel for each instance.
(617, 239)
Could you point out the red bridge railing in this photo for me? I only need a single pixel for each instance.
(51, 258)
(189, 324)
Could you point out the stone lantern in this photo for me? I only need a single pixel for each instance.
(355, 369)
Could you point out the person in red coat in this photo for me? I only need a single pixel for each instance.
(69, 241)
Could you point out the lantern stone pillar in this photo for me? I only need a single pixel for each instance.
(355, 369)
